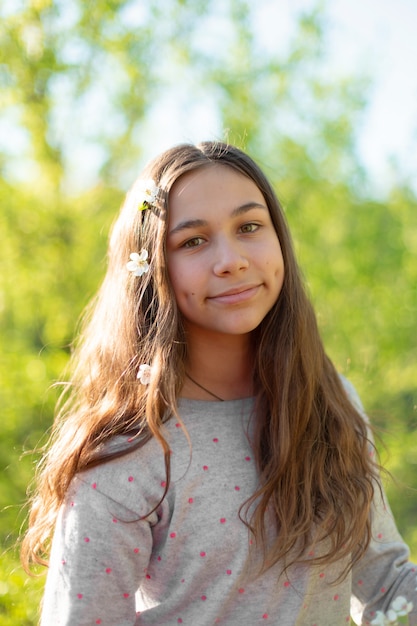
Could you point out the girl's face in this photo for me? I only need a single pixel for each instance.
(224, 258)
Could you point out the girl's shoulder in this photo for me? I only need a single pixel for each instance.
(126, 473)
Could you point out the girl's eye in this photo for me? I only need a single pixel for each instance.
(194, 242)
(249, 228)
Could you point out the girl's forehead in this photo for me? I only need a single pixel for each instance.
(216, 193)
(212, 181)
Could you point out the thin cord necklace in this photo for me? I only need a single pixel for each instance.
(204, 388)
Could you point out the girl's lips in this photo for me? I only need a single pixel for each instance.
(235, 296)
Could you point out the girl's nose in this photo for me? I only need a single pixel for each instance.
(230, 257)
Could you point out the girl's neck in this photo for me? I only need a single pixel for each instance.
(224, 367)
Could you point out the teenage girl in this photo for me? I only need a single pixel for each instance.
(210, 466)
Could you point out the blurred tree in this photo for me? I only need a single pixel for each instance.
(78, 84)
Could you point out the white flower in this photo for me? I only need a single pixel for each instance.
(391, 617)
(401, 606)
(148, 192)
(144, 374)
(138, 263)
(380, 619)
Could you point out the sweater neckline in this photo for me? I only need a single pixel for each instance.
(215, 406)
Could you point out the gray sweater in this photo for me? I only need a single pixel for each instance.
(184, 563)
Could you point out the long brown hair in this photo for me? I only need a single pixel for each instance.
(316, 474)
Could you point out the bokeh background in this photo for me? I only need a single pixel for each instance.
(323, 95)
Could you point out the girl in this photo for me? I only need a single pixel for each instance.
(210, 466)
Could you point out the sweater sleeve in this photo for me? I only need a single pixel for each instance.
(99, 557)
(384, 580)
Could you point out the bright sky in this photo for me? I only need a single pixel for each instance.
(377, 37)
(381, 35)
(372, 37)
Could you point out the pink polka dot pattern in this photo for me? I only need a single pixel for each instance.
(200, 545)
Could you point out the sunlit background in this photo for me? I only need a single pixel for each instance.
(322, 94)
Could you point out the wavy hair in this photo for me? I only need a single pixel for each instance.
(317, 478)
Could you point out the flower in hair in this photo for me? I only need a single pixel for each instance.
(144, 374)
(138, 263)
(148, 192)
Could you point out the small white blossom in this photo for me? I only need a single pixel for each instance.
(391, 617)
(148, 192)
(144, 374)
(401, 606)
(138, 263)
(380, 619)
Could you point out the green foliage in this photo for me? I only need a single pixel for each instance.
(48, 241)
(359, 254)
(20, 597)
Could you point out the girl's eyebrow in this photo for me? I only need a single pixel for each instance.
(198, 223)
(187, 224)
(244, 208)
